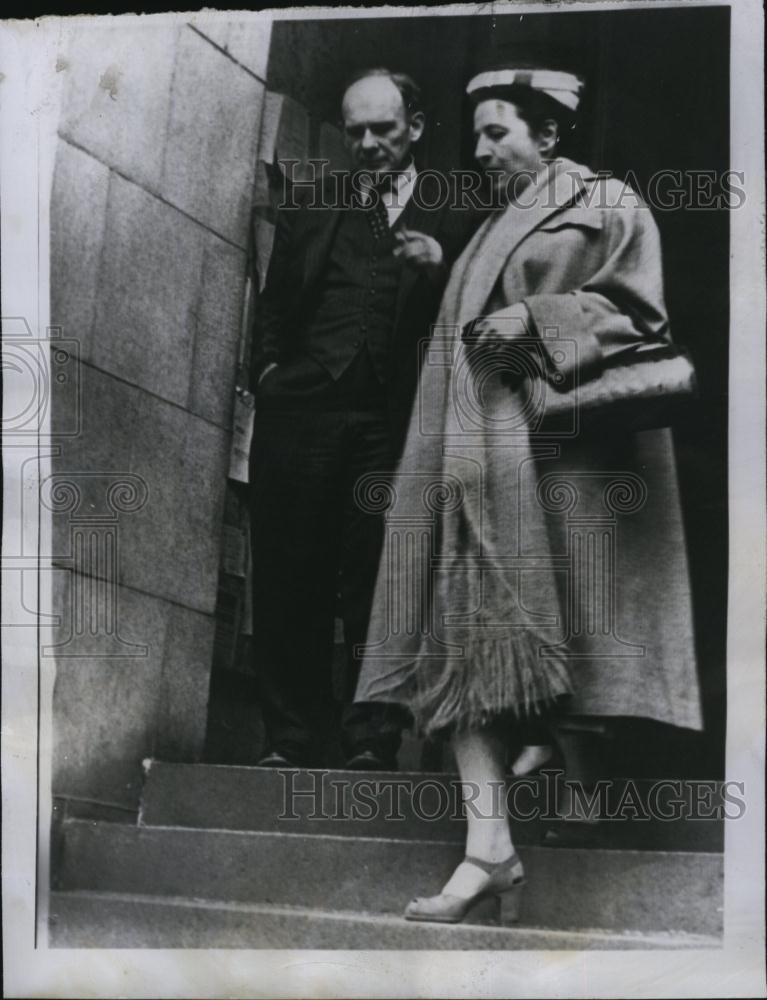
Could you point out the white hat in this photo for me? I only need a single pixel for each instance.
(564, 88)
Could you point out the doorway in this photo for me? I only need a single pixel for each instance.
(634, 62)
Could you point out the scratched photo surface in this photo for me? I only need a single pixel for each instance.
(385, 400)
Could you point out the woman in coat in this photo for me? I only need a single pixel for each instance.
(529, 569)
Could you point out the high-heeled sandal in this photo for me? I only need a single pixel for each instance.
(502, 889)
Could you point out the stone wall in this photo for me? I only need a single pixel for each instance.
(153, 188)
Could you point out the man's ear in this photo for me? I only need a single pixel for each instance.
(548, 135)
(417, 123)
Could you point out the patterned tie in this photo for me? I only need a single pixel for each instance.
(377, 216)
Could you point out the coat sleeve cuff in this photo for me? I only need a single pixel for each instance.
(265, 358)
(560, 323)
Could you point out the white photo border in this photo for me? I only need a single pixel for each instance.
(30, 96)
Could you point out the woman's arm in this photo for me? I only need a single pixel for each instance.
(621, 303)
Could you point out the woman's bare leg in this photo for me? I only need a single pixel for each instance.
(480, 755)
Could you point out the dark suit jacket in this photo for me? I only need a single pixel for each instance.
(303, 239)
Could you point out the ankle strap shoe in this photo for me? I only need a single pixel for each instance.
(501, 889)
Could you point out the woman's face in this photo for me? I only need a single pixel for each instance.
(505, 145)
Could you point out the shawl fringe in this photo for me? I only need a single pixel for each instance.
(513, 672)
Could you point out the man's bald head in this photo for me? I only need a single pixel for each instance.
(381, 119)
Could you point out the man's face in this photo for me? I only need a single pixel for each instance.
(377, 130)
(505, 145)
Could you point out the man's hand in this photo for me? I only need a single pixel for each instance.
(419, 250)
(499, 328)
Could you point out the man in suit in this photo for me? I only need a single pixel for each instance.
(351, 290)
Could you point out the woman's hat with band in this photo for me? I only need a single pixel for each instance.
(561, 87)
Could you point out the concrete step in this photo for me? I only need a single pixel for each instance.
(111, 920)
(416, 806)
(649, 891)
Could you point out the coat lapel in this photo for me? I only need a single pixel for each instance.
(318, 244)
(485, 257)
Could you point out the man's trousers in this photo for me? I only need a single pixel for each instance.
(316, 553)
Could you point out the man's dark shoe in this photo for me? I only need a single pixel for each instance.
(369, 760)
(278, 758)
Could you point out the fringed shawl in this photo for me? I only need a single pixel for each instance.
(466, 617)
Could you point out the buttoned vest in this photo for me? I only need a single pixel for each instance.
(357, 299)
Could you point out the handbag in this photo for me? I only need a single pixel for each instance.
(645, 386)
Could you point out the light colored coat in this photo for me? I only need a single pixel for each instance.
(583, 255)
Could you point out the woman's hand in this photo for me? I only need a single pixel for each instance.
(510, 335)
(499, 328)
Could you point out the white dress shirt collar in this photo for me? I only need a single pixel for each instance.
(395, 198)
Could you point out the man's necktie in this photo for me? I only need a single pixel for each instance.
(377, 215)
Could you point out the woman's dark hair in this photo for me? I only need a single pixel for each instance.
(533, 107)
(406, 85)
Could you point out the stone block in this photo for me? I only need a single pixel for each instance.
(285, 136)
(263, 197)
(92, 920)
(243, 798)
(117, 703)
(217, 335)
(248, 43)
(264, 242)
(215, 28)
(576, 889)
(78, 216)
(116, 98)
(148, 291)
(270, 126)
(88, 465)
(212, 138)
(292, 141)
(172, 547)
(169, 547)
(105, 706)
(185, 686)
